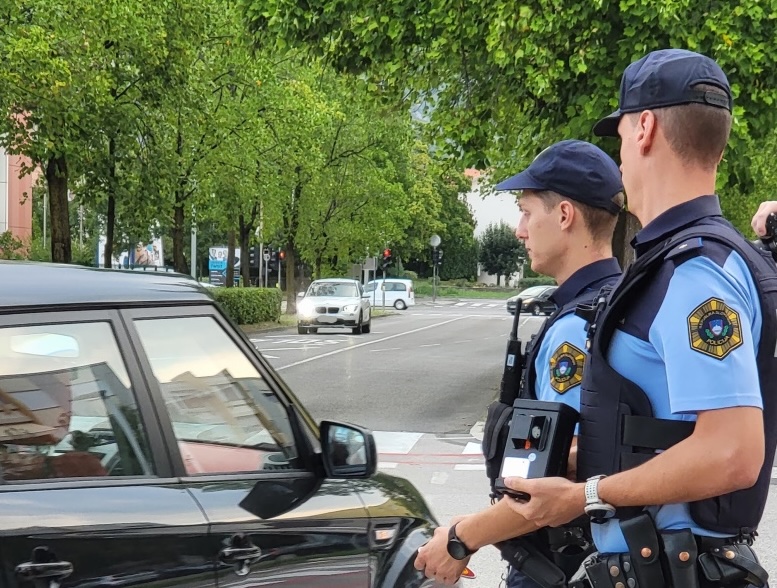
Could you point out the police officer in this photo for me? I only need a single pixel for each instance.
(571, 195)
(678, 400)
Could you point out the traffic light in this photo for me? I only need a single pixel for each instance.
(436, 256)
(253, 256)
(281, 254)
(273, 263)
(386, 259)
(439, 257)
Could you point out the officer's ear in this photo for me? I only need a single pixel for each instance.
(566, 214)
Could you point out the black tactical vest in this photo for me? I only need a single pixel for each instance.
(617, 428)
(497, 423)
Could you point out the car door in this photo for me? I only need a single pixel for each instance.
(241, 453)
(87, 498)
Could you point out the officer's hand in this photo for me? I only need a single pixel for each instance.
(435, 562)
(554, 501)
(759, 220)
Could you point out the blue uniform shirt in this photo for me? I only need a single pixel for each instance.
(689, 340)
(559, 360)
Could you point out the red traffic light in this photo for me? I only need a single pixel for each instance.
(282, 255)
(387, 253)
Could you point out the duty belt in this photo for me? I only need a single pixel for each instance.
(672, 559)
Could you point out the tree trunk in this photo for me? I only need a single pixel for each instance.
(178, 219)
(230, 279)
(498, 279)
(627, 227)
(56, 177)
(245, 254)
(319, 260)
(291, 277)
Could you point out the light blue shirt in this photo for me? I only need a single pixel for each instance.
(690, 342)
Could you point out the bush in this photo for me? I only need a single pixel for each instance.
(408, 275)
(249, 306)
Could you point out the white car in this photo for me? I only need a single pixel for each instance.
(334, 302)
(398, 292)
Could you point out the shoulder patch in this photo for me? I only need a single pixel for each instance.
(566, 367)
(714, 328)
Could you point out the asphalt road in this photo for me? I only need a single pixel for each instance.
(421, 381)
(427, 369)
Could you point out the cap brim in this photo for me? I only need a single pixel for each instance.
(608, 126)
(521, 181)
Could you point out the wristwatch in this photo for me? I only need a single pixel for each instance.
(595, 507)
(456, 547)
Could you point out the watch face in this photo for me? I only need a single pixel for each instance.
(456, 549)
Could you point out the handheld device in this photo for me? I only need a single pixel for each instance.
(769, 241)
(538, 442)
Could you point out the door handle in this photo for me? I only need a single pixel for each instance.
(44, 568)
(240, 553)
(232, 555)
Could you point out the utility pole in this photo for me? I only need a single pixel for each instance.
(434, 242)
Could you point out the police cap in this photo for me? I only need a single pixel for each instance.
(574, 169)
(667, 78)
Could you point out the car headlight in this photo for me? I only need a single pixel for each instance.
(306, 308)
(350, 308)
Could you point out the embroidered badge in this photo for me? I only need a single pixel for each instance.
(566, 367)
(714, 329)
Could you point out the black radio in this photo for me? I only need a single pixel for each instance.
(538, 443)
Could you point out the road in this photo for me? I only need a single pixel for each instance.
(421, 381)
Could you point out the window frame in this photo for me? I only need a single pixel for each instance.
(256, 360)
(158, 455)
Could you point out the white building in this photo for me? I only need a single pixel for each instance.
(491, 209)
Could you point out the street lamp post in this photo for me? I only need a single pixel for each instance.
(434, 242)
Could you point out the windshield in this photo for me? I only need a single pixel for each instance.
(340, 289)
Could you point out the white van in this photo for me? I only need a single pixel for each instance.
(399, 293)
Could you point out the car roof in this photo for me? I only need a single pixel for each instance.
(28, 284)
(336, 280)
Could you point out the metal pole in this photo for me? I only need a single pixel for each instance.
(261, 264)
(194, 252)
(280, 271)
(384, 290)
(434, 277)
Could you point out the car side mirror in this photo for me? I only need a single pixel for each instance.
(348, 451)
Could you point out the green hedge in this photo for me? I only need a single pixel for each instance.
(249, 306)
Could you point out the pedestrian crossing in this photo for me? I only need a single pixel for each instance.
(401, 450)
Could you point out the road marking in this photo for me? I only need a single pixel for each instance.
(476, 304)
(386, 349)
(472, 449)
(351, 347)
(394, 442)
(461, 303)
(463, 341)
(430, 345)
(269, 356)
(389, 465)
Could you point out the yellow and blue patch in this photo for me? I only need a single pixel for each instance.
(566, 367)
(714, 328)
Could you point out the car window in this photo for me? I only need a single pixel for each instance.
(67, 409)
(369, 287)
(224, 415)
(340, 289)
(398, 287)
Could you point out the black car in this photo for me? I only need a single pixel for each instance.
(145, 442)
(535, 300)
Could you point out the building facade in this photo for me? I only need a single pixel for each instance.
(15, 197)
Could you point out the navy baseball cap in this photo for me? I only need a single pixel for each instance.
(666, 78)
(574, 169)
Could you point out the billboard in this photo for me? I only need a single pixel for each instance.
(148, 254)
(217, 264)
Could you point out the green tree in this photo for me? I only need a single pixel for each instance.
(501, 252)
(498, 82)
